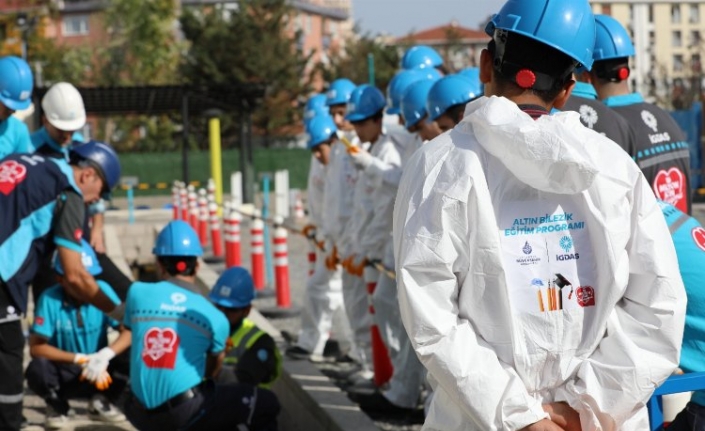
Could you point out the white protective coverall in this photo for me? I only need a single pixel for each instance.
(384, 173)
(324, 295)
(486, 218)
(354, 289)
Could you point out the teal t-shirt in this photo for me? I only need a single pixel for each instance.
(71, 327)
(14, 138)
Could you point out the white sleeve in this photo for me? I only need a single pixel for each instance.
(642, 341)
(431, 232)
(315, 193)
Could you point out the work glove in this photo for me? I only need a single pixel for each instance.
(361, 158)
(103, 381)
(309, 231)
(358, 266)
(332, 259)
(346, 262)
(97, 365)
(80, 359)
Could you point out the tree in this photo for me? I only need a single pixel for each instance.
(353, 63)
(253, 44)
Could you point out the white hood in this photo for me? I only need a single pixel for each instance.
(520, 143)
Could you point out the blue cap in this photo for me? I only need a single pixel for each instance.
(421, 56)
(398, 85)
(611, 40)
(316, 105)
(105, 157)
(320, 130)
(339, 92)
(234, 289)
(450, 91)
(365, 102)
(16, 83)
(413, 103)
(177, 239)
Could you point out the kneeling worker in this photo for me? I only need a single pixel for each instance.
(179, 345)
(251, 356)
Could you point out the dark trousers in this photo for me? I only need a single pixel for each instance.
(11, 382)
(215, 407)
(58, 382)
(111, 274)
(691, 418)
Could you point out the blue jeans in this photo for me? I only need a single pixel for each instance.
(691, 418)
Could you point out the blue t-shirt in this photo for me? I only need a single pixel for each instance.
(72, 328)
(173, 330)
(14, 137)
(689, 240)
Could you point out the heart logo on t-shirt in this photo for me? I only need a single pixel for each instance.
(11, 174)
(698, 234)
(669, 186)
(160, 346)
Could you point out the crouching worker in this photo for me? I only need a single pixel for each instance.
(251, 356)
(70, 353)
(179, 345)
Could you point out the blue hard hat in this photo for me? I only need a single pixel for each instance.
(413, 103)
(398, 85)
(421, 56)
(565, 25)
(104, 157)
(472, 73)
(234, 288)
(177, 239)
(315, 105)
(16, 83)
(88, 258)
(365, 101)
(449, 91)
(611, 39)
(320, 129)
(339, 92)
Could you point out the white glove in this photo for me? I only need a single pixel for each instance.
(80, 359)
(97, 364)
(362, 159)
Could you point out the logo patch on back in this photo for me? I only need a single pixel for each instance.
(670, 186)
(11, 174)
(159, 348)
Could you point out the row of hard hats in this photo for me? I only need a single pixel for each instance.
(234, 288)
(62, 104)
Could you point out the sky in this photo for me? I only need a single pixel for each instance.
(399, 17)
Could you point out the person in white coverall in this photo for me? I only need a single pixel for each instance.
(402, 393)
(324, 296)
(537, 278)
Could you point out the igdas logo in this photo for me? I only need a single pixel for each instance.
(566, 243)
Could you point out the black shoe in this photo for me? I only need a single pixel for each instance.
(345, 359)
(332, 349)
(378, 403)
(296, 352)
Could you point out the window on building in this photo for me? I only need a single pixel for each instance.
(694, 37)
(694, 13)
(652, 37)
(677, 63)
(332, 28)
(651, 13)
(695, 63)
(676, 39)
(75, 25)
(309, 24)
(607, 9)
(676, 14)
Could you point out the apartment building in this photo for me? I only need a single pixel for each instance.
(668, 38)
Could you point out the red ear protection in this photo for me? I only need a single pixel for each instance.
(525, 78)
(181, 266)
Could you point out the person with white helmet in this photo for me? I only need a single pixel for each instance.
(71, 357)
(43, 202)
(179, 342)
(63, 114)
(324, 296)
(251, 355)
(537, 278)
(661, 149)
(16, 84)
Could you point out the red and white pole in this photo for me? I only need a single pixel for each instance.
(257, 241)
(175, 200)
(281, 267)
(311, 258)
(183, 194)
(193, 210)
(232, 237)
(381, 363)
(202, 218)
(216, 237)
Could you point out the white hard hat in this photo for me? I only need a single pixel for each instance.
(63, 107)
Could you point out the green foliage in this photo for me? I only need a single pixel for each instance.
(141, 48)
(353, 63)
(250, 45)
